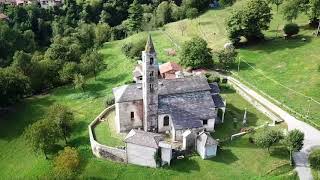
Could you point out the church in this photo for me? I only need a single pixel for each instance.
(174, 107)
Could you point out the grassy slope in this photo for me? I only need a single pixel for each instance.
(293, 63)
(17, 161)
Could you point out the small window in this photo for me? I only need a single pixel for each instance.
(151, 88)
(132, 115)
(151, 61)
(205, 122)
(166, 121)
(151, 74)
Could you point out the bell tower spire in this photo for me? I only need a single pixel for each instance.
(150, 87)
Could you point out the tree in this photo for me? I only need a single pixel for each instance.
(22, 61)
(104, 17)
(192, 13)
(314, 159)
(135, 17)
(92, 62)
(276, 2)
(13, 86)
(68, 71)
(195, 53)
(249, 21)
(79, 82)
(67, 163)
(163, 13)
(182, 26)
(41, 136)
(227, 57)
(63, 117)
(102, 33)
(294, 141)
(268, 137)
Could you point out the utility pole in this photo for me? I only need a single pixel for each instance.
(239, 64)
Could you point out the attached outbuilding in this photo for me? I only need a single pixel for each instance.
(143, 148)
(206, 145)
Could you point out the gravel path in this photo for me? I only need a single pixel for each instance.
(312, 135)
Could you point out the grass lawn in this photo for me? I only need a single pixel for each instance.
(292, 63)
(238, 159)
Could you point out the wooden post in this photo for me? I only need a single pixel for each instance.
(317, 34)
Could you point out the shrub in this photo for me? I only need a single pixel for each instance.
(110, 101)
(133, 50)
(213, 78)
(67, 163)
(192, 13)
(291, 29)
(314, 159)
(227, 58)
(226, 2)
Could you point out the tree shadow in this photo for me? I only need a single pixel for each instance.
(278, 44)
(186, 165)
(225, 156)
(28, 111)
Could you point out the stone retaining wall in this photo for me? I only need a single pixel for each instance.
(100, 150)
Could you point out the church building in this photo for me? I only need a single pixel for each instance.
(171, 106)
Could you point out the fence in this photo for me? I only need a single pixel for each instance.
(100, 150)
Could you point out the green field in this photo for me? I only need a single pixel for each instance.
(286, 70)
(237, 159)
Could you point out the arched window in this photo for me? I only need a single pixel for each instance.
(151, 61)
(166, 121)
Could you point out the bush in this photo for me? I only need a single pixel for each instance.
(314, 159)
(192, 13)
(213, 78)
(226, 2)
(227, 58)
(133, 50)
(110, 101)
(291, 29)
(67, 163)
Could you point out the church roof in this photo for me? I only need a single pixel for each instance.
(183, 85)
(143, 138)
(218, 101)
(149, 46)
(128, 93)
(169, 66)
(187, 109)
(166, 86)
(206, 139)
(214, 88)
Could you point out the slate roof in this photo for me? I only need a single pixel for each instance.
(169, 66)
(206, 139)
(149, 46)
(132, 92)
(183, 85)
(214, 88)
(187, 109)
(218, 101)
(143, 138)
(128, 93)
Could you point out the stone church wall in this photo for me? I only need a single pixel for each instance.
(124, 122)
(103, 151)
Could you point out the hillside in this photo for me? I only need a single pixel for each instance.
(286, 70)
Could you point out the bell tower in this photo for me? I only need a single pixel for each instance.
(150, 87)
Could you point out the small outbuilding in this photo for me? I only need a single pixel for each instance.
(206, 145)
(168, 70)
(142, 148)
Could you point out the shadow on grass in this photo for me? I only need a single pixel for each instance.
(186, 165)
(280, 152)
(233, 122)
(225, 156)
(26, 112)
(278, 44)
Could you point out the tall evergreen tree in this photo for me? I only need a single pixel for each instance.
(135, 16)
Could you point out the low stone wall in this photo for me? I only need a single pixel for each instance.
(100, 150)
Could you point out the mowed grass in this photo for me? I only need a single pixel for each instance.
(316, 174)
(239, 159)
(273, 66)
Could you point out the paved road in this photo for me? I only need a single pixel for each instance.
(312, 135)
